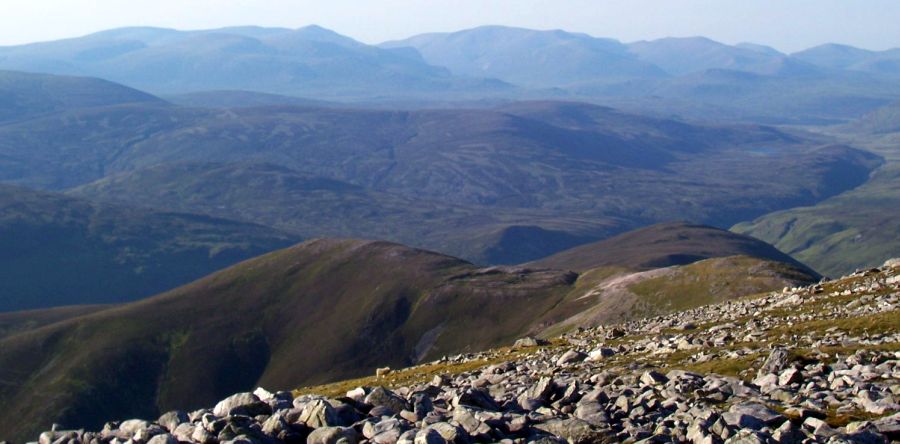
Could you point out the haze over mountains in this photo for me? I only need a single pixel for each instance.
(449, 180)
(455, 191)
(826, 83)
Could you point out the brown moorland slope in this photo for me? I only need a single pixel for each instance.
(320, 311)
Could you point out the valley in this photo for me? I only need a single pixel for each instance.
(527, 236)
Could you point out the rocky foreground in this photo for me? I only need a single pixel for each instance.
(814, 364)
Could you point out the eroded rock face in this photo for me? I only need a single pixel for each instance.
(792, 361)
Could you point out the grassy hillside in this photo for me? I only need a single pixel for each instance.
(18, 321)
(611, 294)
(663, 245)
(316, 312)
(856, 229)
(57, 250)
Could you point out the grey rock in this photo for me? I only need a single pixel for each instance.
(171, 420)
(332, 435)
(429, 436)
(543, 390)
(746, 437)
(449, 432)
(467, 420)
(575, 431)
(778, 360)
(184, 431)
(600, 354)
(653, 377)
(593, 413)
(246, 404)
(164, 438)
(570, 357)
(790, 376)
(788, 433)
(133, 426)
(819, 428)
(386, 398)
(319, 413)
(476, 398)
(529, 341)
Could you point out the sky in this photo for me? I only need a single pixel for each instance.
(788, 25)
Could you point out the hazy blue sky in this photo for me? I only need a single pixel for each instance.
(788, 25)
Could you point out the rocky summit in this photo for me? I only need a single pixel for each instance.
(817, 364)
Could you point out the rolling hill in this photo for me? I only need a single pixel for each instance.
(524, 164)
(695, 77)
(58, 250)
(542, 59)
(856, 229)
(317, 312)
(310, 60)
(24, 95)
(664, 245)
(883, 120)
(845, 57)
(503, 185)
(680, 56)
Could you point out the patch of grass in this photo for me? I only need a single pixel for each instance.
(736, 367)
(410, 376)
(881, 323)
(835, 419)
(714, 280)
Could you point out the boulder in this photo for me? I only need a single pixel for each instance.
(164, 438)
(571, 356)
(171, 420)
(319, 413)
(246, 404)
(381, 397)
(332, 435)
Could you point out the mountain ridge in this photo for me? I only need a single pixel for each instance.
(373, 303)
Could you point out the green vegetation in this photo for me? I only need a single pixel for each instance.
(711, 281)
(663, 245)
(406, 376)
(306, 316)
(856, 229)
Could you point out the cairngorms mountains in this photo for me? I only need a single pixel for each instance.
(692, 76)
(155, 185)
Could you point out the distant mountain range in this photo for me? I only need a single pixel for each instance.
(152, 237)
(309, 60)
(331, 309)
(750, 82)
